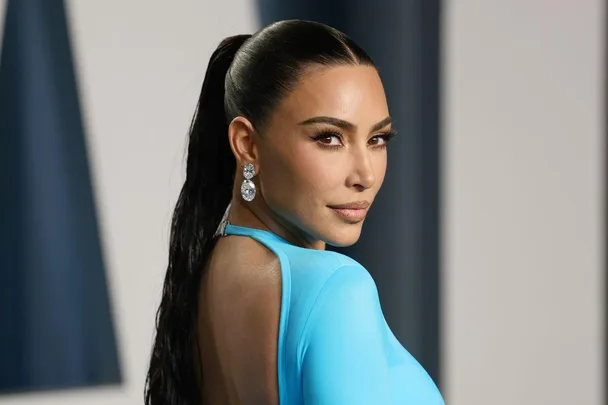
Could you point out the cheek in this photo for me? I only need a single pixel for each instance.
(302, 176)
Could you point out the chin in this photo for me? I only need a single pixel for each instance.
(343, 235)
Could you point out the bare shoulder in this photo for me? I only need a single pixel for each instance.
(244, 271)
(250, 260)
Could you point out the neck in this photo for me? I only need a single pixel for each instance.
(257, 214)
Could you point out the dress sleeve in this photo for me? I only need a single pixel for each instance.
(344, 358)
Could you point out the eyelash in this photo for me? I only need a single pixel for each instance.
(387, 136)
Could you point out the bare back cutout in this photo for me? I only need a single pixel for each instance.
(239, 307)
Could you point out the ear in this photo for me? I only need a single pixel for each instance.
(241, 138)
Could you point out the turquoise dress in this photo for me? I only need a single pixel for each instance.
(334, 345)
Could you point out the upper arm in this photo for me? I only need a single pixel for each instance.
(344, 359)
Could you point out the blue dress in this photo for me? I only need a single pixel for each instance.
(334, 345)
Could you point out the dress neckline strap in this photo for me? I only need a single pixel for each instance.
(226, 228)
(231, 229)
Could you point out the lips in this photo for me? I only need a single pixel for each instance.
(356, 205)
(352, 212)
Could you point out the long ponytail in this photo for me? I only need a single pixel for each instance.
(207, 190)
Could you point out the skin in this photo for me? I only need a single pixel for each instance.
(297, 178)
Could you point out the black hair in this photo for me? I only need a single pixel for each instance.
(248, 75)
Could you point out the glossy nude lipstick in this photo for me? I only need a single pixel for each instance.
(352, 212)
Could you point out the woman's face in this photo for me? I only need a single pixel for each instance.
(322, 156)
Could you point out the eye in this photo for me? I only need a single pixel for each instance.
(378, 140)
(381, 140)
(329, 139)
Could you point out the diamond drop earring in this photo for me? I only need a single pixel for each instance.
(248, 186)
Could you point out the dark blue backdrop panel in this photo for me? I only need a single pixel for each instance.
(55, 323)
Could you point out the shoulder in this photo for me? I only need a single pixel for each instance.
(315, 272)
(347, 294)
(247, 272)
(321, 260)
(346, 312)
(317, 275)
(348, 287)
(311, 269)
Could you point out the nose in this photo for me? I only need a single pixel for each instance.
(362, 175)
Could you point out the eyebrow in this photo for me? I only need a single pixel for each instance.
(347, 126)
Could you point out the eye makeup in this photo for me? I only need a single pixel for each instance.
(333, 139)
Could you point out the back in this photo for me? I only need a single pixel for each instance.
(238, 317)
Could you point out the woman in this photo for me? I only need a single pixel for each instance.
(254, 310)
